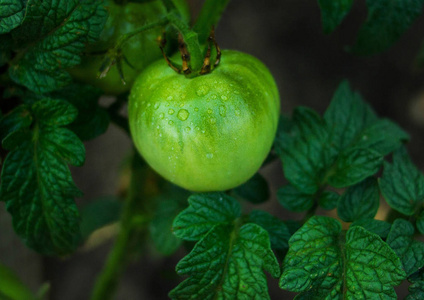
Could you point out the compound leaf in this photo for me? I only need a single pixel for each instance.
(402, 184)
(386, 21)
(204, 212)
(359, 201)
(401, 240)
(36, 183)
(323, 262)
(55, 33)
(333, 13)
(228, 263)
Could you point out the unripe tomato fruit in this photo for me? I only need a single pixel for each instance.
(210, 132)
(140, 50)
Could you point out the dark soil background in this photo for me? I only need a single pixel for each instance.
(308, 66)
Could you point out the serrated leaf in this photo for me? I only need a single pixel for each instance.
(228, 263)
(37, 185)
(11, 14)
(347, 116)
(387, 20)
(353, 166)
(278, 231)
(205, 211)
(293, 199)
(161, 226)
(402, 184)
(381, 228)
(401, 240)
(11, 287)
(57, 33)
(333, 13)
(99, 213)
(328, 200)
(323, 263)
(305, 150)
(416, 291)
(360, 201)
(255, 190)
(92, 120)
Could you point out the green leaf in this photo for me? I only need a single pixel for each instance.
(228, 263)
(383, 136)
(381, 228)
(410, 252)
(92, 120)
(347, 116)
(305, 150)
(416, 291)
(323, 262)
(278, 231)
(328, 200)
(360, 201)
(99, 213)
(353, 166)
(402, 184)
(11, 14)
(387, 20)
(17, 119)
(11, 287)
(161, 226)
(420, 222)
(255, 190)
(205, 211)
(36, 183)
(293, 199)
(55, 33)
(333, 13)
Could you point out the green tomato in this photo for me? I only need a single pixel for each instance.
(140, 50)
(210, 132)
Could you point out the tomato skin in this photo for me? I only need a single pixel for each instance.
(140, 50)
(207, 133)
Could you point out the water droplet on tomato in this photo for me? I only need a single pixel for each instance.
(196, 109)
(203, 90)
(170, 98)
(170, 122)
(225, 98)
(212, 120)
(183, 114)
(148, 104)
(157, 104)
(161, 116)
(171, 111)
(237, 112)
(222, 111)
(209, 155)
(187, 129)
(209, 111)
(182, 104)
(197, 128)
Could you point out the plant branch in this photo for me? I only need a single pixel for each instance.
(133, 221)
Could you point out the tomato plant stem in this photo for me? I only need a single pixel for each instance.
(133, 221)
(209, 16)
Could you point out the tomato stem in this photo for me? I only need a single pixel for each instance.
(134, 219)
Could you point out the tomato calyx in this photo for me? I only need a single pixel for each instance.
(209, 62)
